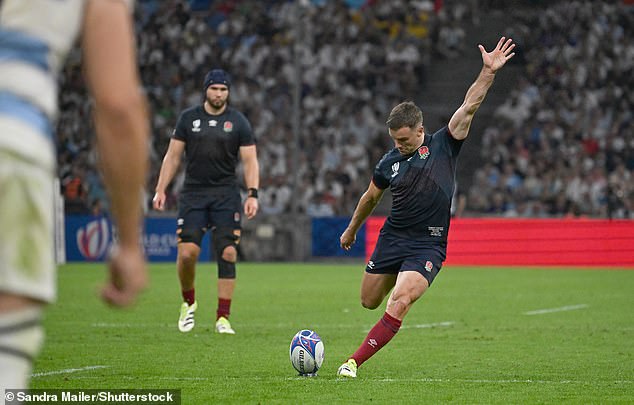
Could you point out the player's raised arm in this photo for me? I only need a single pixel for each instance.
(121, 122)
(491, 63)
(248, 155)
(171, 162)
(366, 205)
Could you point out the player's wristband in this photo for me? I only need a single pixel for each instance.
(252, 192)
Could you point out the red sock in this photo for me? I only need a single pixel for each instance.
(224, 306)
(189, 296)
(379, 336)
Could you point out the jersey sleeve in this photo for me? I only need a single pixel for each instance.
(247, 137)
(180, 130)
(453, 145)
(378, 178)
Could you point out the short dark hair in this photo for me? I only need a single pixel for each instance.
(406, 114)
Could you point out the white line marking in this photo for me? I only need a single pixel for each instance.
(560, 309)
(428, 325)
(386, 380)
(67, 371)
(512, 381)
(422, 325)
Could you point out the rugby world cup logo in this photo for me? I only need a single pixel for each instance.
(93, 239)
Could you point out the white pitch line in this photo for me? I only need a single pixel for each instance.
(67, 371)
(379, 380)
(428, 325)
(560, 309)
(423, 325)
(486, 381)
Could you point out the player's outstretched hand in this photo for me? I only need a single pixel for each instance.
(127, 278)
(347, 239)
(158, 202)
(495, 59)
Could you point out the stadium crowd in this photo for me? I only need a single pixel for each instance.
(563, 142)
(356, 63)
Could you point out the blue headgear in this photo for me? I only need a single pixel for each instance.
(217, 76)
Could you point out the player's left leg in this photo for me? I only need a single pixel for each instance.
(410, 286)
(225, 242)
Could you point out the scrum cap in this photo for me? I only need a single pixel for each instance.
(217, 76)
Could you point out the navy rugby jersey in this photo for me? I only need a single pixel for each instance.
(212, 145)
(422, 186)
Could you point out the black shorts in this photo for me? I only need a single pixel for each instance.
(393, 254)
(201, 210)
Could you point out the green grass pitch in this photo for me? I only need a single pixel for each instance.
(479, 335)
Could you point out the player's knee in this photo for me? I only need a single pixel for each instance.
(226, 269)
(370, 302)
(230, 254)
(399, 305)
(188, 256)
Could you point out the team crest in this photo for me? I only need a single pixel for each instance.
(196, 126)
(228, 126)
(429, 266)
(423, 152)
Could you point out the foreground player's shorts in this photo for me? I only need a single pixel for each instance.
(27, 262)
(393, 254)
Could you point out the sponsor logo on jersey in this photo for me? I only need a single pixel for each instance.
(435, 230)
(196, 126)
(423, 152)
(429, 266)
(93, 239)
(395, 167)
(228, 126)
(213, 123)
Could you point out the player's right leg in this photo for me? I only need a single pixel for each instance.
(191, 227)
(375, 287)
(27, 264)
(186, 263)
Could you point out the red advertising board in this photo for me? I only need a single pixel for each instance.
(539, 242)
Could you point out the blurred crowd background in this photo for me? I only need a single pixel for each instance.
(560, 142)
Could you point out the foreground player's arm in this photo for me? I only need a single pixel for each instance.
(171, 162)
(121, 122)
(492, 62)
(249, 158)
(368, 201)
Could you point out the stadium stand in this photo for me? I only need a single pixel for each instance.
(561, 143)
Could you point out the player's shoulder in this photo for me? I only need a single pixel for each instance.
(190, 111)
(235, 114)
(442, 132)
(389, 159)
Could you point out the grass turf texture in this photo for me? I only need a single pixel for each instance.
(484, 348)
